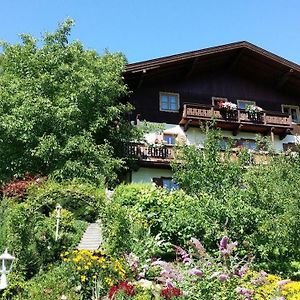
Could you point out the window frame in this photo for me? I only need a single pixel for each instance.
(168, 95)
(172, 136)
(214, 100)
(159, 182)
(248, 102)
(292, 107)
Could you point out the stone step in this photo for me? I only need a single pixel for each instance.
(92, 238)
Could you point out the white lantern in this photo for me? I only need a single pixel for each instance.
(58, 211)
(6, 264)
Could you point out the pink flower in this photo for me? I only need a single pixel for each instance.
(283, 282)
(225, 248)
(223, 277)
(198, 246)
(195, 272)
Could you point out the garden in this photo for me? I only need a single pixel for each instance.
(230, 232)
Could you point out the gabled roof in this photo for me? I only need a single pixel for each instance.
(158, 62)
(242, 58)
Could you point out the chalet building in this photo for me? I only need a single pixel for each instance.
(245, 89)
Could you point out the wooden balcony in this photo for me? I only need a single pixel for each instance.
(150, 154)
(161, 156)
(238, 120)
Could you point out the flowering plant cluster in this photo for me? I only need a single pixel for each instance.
(93, 268)
(253, 109)
(19, 186)
(125, 287)
(227, 105)
(197, 275)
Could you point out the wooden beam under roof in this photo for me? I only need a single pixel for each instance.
(283, 78)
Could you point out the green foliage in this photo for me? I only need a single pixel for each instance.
(59, 109)
(255, 204)
(84, 200)
(142, 215)
(31, 236)
(51, 283)
(206, 170)
(28, 227)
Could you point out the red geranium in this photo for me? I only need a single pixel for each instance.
(170, 292)
(128, 289)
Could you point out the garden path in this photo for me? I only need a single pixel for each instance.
(92, 238)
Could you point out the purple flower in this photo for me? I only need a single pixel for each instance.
(195, 272)
(169, 283)
(223, 243)
(283, 282)
(183, 255)
(196, 243)
(132, 261)
(244, 291)
(223, 277)
(225, 248)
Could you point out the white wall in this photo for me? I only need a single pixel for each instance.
(145, 175)
(194, 136)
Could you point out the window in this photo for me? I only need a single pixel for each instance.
(242, 104)
(224, 143)
(217, 100)
(169, 102)
(166, 182)
(169, 139)
(290, 146)
(293, 111)
(247, 144)
(169, 184)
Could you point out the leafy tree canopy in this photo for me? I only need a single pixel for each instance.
(59, 112)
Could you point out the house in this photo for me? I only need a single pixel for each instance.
(228, 83)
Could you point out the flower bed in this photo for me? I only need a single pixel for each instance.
(193, 275)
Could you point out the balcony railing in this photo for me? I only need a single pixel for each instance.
(240, 118)
(149, 152)
(164, 154)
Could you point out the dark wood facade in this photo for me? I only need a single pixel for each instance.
(236, 71)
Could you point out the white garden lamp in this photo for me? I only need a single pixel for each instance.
(58, 210)
(6, 264)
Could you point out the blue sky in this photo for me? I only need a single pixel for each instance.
(145, 29)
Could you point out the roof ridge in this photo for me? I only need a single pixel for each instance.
(156, 62)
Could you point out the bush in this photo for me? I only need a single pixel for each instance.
(28, 227)
(84, 200)
(50, 284)
(142, 214)
(31, 236)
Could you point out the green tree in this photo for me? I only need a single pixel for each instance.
(208, 170)
(59, 109)
(255, 204)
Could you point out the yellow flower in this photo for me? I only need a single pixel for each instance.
(83, 278)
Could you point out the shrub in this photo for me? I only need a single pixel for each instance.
(52, 283)
(84, 200)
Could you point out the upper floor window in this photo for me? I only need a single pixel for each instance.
(293, 111)
(169, 139)
(169, 102)
(242, 104)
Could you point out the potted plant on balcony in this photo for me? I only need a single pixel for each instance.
(254, 113)
(228, 109)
